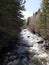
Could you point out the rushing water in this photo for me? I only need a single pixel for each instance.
(29, 51)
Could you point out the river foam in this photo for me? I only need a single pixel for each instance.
(29, 51)
(38, 48)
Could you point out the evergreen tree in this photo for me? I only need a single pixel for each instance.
(44, 16)
(11, 19)
(11, 15)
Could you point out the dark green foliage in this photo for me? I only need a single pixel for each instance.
(10, 15)
(11, 20)
(44, 17)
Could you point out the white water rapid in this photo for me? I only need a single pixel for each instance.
(29, 50)
(40, 56)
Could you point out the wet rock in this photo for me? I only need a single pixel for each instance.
(27, 51)
(40, 42)
(28, 36)
(46, 45)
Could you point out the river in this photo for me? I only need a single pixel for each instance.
(29, 51)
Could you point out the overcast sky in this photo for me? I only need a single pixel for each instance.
(31, 7)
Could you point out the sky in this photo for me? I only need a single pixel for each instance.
(31, 7)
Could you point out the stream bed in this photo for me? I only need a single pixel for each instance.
(29, 50)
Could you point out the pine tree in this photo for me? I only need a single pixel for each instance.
(44, 16)
(11, 15)
(11, 19)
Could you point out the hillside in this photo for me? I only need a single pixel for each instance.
(32, 22)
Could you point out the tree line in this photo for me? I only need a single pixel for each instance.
(11, 21)
(44, 18)
(11, 15)
(41, 18)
